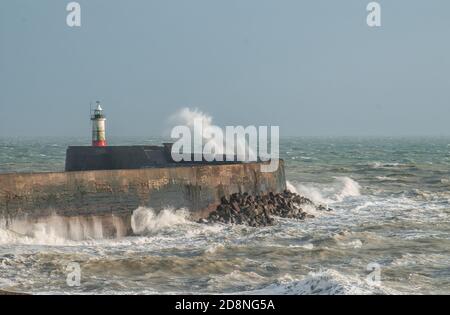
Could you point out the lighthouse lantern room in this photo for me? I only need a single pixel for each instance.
(98, 127)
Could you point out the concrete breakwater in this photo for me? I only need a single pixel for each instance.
(108, 196)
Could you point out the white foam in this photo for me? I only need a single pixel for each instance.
(313, 193)
(307, 246)
(146, 220)
(187, 117)
(55, 230)
(214, 248)
(291, 187)
(326, 282)
(341, 188)
(417, 259)
(385, 178)
(350, 188)
(236, 278)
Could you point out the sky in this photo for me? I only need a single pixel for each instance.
(312, 67)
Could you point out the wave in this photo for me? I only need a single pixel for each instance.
(147, 221)
(208, 133)
(308, 246)
(341, 188)
(233, 280)
(326, 282)
(389, 165)
(291, 187)
(58, 230)
(417, 259)
(167, 228)
(386, 179)
(213, 249)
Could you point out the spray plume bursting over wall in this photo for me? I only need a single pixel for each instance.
(197, 138)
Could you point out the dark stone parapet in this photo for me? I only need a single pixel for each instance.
(89, 158)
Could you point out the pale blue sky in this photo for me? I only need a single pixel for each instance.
(312, 67)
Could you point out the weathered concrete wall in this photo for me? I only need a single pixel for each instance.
(120, 192)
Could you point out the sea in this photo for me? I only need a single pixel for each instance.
(388, 231)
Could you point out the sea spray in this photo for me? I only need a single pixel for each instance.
(349, 188)
(322, 282)
(147, 220)
(340, 188)
(207, 133)
(60, 230)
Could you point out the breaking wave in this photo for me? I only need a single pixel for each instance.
(393, 165)
(237, 278)
(58, 230)
(340, 189)
(146, 220)
(188, 117)
(326, 282)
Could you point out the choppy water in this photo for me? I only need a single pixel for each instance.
(391, 207)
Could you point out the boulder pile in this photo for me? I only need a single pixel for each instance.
(259, 210)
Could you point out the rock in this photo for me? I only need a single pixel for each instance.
(323, 208)
(224, 200)
(258, 210)
(235, 206)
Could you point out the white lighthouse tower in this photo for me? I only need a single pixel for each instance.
(98, 127)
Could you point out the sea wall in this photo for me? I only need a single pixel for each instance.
(111, 194)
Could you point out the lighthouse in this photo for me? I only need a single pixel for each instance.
(98, 127)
